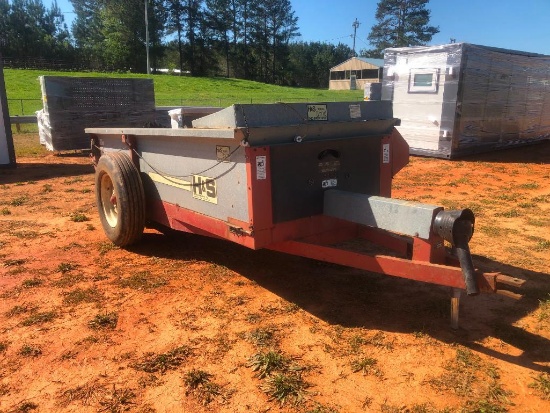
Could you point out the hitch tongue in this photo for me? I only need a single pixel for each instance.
(457, 227)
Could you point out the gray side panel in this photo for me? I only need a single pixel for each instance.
(173, 160)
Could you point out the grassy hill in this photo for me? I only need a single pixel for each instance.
(24, 96)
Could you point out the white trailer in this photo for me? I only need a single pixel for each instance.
(459, 99)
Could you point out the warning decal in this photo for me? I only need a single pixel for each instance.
(317, 112)
(261, 167)
(386, 153)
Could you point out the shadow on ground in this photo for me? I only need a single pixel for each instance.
(354, 298)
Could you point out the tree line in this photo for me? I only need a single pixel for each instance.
(249, 39)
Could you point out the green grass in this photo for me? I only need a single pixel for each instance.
(263, 364)
(24, 96)
(200, 384)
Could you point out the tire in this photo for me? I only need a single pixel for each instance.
(120, 198)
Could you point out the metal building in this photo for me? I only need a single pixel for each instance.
(354, 73)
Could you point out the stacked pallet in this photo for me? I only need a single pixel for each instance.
(71, 104)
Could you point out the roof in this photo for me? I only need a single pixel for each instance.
(368, 60)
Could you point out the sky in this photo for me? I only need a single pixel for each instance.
(509, 24)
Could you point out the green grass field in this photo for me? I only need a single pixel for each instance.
(24, 96)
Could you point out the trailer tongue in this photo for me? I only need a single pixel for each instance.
(304, 179)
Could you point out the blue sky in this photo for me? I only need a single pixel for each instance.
(510, 24)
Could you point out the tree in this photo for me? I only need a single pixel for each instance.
(310, 63)
(400, 23)
(30, 30)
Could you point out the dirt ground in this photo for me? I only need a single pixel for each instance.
(182, 323)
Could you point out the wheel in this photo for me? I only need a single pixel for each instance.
(120, 198)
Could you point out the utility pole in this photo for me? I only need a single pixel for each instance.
(355, 26)
(147, 39)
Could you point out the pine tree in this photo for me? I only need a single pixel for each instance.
(400, 23)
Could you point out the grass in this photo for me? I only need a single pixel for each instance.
(24, 84)
(152, 363)
(79, 217)
(544, 309)
(283, 387)
(367, 366)
(79, 295)
(83, 393)
(18, 310)
(542, 385)
(65, 267)
(262, 337)
(40, 318)
(118, 400)
(19, 201)
(28, 350)
(104, 321)
(468, 374)
(26, 407)
(32, 283)
(142, 281)
(200, 384)
(263, 364)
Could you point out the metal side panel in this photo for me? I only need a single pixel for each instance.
(395, 215)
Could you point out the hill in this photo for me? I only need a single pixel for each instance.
(24, 97)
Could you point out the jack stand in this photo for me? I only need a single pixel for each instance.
(455, 305)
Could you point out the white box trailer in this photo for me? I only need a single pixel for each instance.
(460, 99)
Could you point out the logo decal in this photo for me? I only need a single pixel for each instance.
(204, 188)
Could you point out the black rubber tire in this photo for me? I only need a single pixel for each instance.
(120, 198)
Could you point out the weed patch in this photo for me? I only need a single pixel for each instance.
(118, 400)
(542, 385)
(28, 350)
(79, 295)
(79, 217)
(65, 267)
(32, 283)
(105, 321)
(283, 387)
(468, 374)
(19, 201)
(263, 364)
(200, 384)
(85, 394)
(367, 366)
(152, 363)
(262, 337)
(40, 318)
(142, 281)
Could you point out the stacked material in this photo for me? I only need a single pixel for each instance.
(74, 103)
(460, 98)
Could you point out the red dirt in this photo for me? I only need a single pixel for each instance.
(226, 303)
